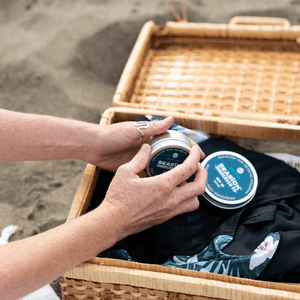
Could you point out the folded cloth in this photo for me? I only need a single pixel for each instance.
(213, 259)
(44, 293)
(6, 233)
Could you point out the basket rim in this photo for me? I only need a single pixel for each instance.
(176, 114)
(214, 285)
(223, 126)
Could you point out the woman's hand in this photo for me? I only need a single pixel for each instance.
(138, 203)
(116, 144)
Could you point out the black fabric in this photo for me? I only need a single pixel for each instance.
(275, 207)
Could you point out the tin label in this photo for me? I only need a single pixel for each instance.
(167, 159)
(230, 178)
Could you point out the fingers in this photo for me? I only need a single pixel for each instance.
(185, 197)
(140, 160)
(195, 188)
(148, 129)
(186, 206)
(186, 193)
(202, 154)
(158, 127)
(185, 170)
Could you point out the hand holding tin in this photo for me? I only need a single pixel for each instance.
(116, 144)
(138, 203)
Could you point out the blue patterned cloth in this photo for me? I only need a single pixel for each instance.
(213, 259)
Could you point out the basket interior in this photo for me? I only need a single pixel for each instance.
(238, 78)
(93, 276)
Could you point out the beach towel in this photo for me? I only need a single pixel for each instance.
(44, 293)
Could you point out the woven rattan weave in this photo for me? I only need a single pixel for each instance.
(239, 79)
(82, 289)
(248, 72)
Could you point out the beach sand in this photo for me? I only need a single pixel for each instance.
(64, 58)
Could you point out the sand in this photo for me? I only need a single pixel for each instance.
(64, 58)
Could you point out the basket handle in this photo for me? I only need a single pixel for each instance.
(176, 14)
(241, 20)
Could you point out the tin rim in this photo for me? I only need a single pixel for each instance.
(170, 135)
(167, 144)
(224, 206)
(245, 199)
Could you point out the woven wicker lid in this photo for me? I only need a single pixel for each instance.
(247, 69)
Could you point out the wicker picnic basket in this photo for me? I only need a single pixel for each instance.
(236, 80)
(102, 278)
(246, 70)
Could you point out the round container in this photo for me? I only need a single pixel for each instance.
(232, 180)
(168, 150)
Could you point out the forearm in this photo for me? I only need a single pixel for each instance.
(31, 263)
(38, 137)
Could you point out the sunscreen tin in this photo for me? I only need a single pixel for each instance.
(168, 150)
(232, 180)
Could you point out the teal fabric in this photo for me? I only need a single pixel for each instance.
(213, 259)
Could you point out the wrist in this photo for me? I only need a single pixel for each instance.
(94, 142)
(86, 140)
(104, 230)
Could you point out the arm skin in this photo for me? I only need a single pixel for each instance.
(132, 203)
(38, 137)
(31, 263)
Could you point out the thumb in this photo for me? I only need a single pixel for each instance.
(158, 127)
(140, 160)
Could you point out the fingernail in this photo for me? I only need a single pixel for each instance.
(167, 119)
(148, 146)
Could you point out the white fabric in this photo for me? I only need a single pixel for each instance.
(292, 160)
(44, 293)
(7, 232)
